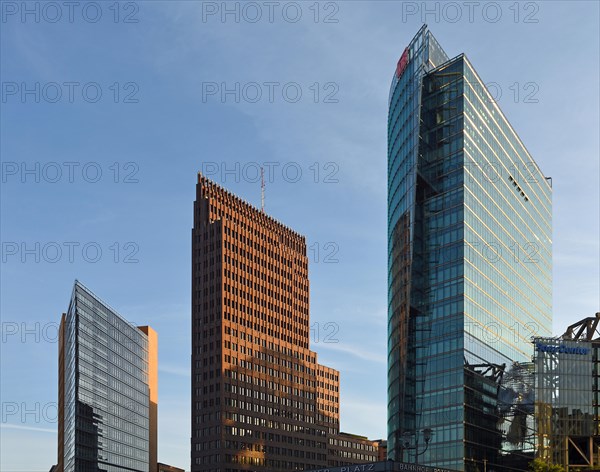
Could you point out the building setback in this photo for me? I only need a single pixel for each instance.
(168, 468)
(345, 448)
(108, 387)
(260, 399)
(469, 258)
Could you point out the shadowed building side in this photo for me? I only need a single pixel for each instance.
(61, 394)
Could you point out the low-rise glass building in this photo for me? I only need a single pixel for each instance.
(566, 396)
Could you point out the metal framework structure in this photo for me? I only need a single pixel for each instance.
(490, 371)
(516, 407)
(584, 330)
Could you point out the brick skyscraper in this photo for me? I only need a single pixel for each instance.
(260, 400)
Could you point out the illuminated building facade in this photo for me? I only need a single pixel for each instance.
(260, 399)
(469, 255)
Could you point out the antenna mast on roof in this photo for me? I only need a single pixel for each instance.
(262, 189)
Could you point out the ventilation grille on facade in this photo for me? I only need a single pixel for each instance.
(516, 185)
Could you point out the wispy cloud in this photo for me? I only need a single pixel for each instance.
(357, 352)
(182, 371)
(28, 428)
(365, 407)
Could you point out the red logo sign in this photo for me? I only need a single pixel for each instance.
(402, 63)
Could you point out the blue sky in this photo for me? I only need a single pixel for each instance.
(164, 114)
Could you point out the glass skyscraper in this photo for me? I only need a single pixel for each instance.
(107, 389)
(469, 258)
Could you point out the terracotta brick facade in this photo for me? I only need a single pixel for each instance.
(260, 399)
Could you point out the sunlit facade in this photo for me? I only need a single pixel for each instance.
(469, 255)
(260, 399)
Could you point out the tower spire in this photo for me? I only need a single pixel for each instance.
(262, 189)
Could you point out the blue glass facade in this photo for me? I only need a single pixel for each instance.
(469, 254)
(106, 390)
